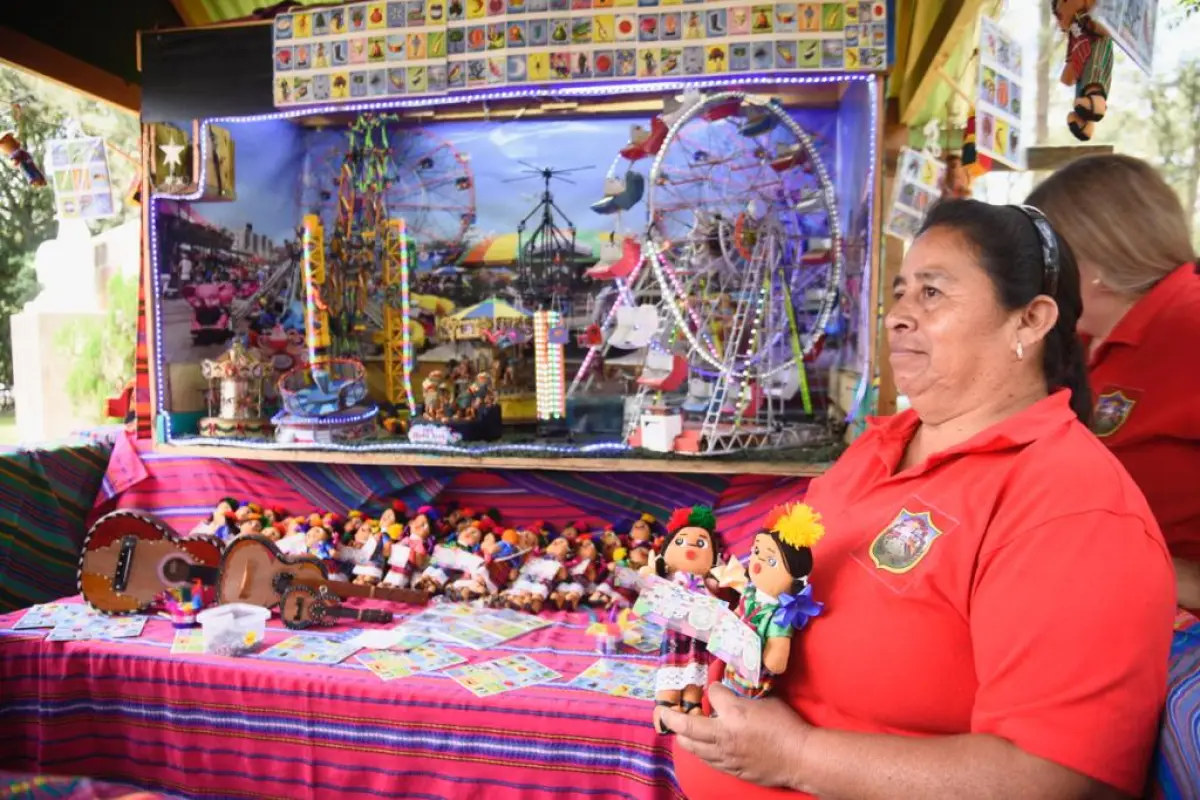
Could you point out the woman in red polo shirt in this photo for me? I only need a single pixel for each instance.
(1021, 649)
(1141, 325)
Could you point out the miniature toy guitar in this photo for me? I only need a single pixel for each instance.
(254, 571)
(129, 558)
(301, 606)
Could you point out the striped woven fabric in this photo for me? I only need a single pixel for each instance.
(209, 726)
(143, 424)
(183, 490)
(45, 497)
(1177, 763)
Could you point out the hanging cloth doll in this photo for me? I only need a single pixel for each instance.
(778, 600)
(1088, 67)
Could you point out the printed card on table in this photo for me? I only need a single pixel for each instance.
(309, 650)
(617, 678)
(422, 658)
(999, 97)
(1131, 24)
(188, 642)
(51, 615)
(918, 186)
(97, 627)
(502, 675)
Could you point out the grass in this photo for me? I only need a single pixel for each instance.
(8, 428)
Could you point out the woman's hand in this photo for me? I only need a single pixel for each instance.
(759, 741)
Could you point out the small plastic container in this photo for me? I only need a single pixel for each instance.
(233, 629)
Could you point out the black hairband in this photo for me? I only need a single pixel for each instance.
(1051, 265)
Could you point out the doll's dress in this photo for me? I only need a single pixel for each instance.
(370, 564)
(685, 660)
(294, 544)
(757, 609)
(576, 579)
(536, 577)
(400, 562)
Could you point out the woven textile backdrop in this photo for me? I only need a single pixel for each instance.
(183, 490)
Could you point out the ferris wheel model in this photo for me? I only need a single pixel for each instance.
(735, 279)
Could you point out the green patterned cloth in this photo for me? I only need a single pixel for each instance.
(45, 498)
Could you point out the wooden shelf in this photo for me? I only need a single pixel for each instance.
(698, 465)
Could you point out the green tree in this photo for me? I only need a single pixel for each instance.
(40, 111)
(1174, 128)
(103, 349)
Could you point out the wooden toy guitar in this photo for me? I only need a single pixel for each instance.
(301, 606)
(130, 557)
(254, 571)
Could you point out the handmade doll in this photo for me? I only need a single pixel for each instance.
(494, 575)
(778, 601)
(641, 540)
(372, 554)
(435, 577)
(613, 555)
(396, 513)
(690, 554)
(250, 525)
(220, 522)
(581, 571)
(537, 576)
(572, 531)
(295, 541)
(354, 521)
(1088, 67)
(411, 551)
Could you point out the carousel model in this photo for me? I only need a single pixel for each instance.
(235, 395)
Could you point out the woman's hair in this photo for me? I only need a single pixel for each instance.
(1009, 247)
(1119, 215)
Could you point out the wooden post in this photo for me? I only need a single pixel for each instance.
(895, 137)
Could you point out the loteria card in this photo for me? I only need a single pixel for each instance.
(617, 678)
(97, 627)
(309, 650)
(51, 615)
(703, 617)
(502, 675)
(423, 658)
(394, 639)
(188, 641)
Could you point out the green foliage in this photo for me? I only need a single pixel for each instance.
(46, 111)
(1190, 6)
(103, 349)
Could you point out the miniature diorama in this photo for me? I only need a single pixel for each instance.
(681, 275)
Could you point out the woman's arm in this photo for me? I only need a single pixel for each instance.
(835, 764)
(765, 742)
(1187, 583)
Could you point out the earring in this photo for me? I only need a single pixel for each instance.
(1095, 281)
(1020, 351)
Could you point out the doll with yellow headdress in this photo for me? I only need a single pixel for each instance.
(777, 602)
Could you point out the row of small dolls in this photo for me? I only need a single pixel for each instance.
(457, 552)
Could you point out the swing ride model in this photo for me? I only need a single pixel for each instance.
(729, 288)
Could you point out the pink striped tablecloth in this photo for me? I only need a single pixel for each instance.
(208, 726)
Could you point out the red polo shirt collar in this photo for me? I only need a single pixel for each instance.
(1035, 422)
(1133, 325)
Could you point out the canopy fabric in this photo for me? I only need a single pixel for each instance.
(492, 308)
(501, 251)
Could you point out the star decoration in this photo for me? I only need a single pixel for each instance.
(172, 154)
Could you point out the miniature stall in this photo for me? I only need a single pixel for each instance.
(575, 264)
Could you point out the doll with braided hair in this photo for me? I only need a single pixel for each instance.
(778, 600)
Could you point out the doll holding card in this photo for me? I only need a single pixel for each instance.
(777, 602)
(690, 553)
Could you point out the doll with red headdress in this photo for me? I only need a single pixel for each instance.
(691, 551)
(580, 575)
(411, 546)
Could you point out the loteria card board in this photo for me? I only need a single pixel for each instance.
(427, 47)
(1131, 24)
(999, 97)
(918, 187)
(78, 171)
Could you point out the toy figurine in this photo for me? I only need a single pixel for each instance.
(410, 552)
(395, 514)
(778, 601)
(373, 549)
(690, 554)
(537, 576)
(10, 147)
(220, 522)
(1088, 67)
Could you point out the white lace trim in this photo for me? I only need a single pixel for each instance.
(674, 679)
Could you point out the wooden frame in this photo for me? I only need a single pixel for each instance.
(54, 65)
